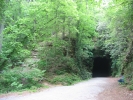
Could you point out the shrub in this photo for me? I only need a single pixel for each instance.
(130, 87)
(66, 79)
(12, 56)
(20, 78)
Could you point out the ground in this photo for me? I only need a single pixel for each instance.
(93, 89)
(115, 91)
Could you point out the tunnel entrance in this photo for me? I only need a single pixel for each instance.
(101, 67)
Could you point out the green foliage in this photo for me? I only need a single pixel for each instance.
(19, 36)
(20, 78)
(115, 37)
(65, 79)
(2, 6)
(130, 87)
(67, 29)
(12, 53)
(57, 57)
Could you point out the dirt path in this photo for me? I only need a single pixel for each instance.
(94, 89)
(114, 91)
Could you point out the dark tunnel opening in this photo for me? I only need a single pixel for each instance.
(101, 67)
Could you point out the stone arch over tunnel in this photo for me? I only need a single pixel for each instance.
(101, 67)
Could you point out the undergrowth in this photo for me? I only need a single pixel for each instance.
(19, 79)
(65, 79)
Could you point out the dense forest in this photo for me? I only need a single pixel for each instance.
(57, 40)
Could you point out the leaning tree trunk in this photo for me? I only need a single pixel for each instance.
(1, 35)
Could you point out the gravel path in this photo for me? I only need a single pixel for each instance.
(86, 90)
(93, 89)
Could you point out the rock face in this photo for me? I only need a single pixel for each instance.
(32, 60)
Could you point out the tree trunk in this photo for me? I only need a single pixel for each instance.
(63, 33)
(1, 35)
